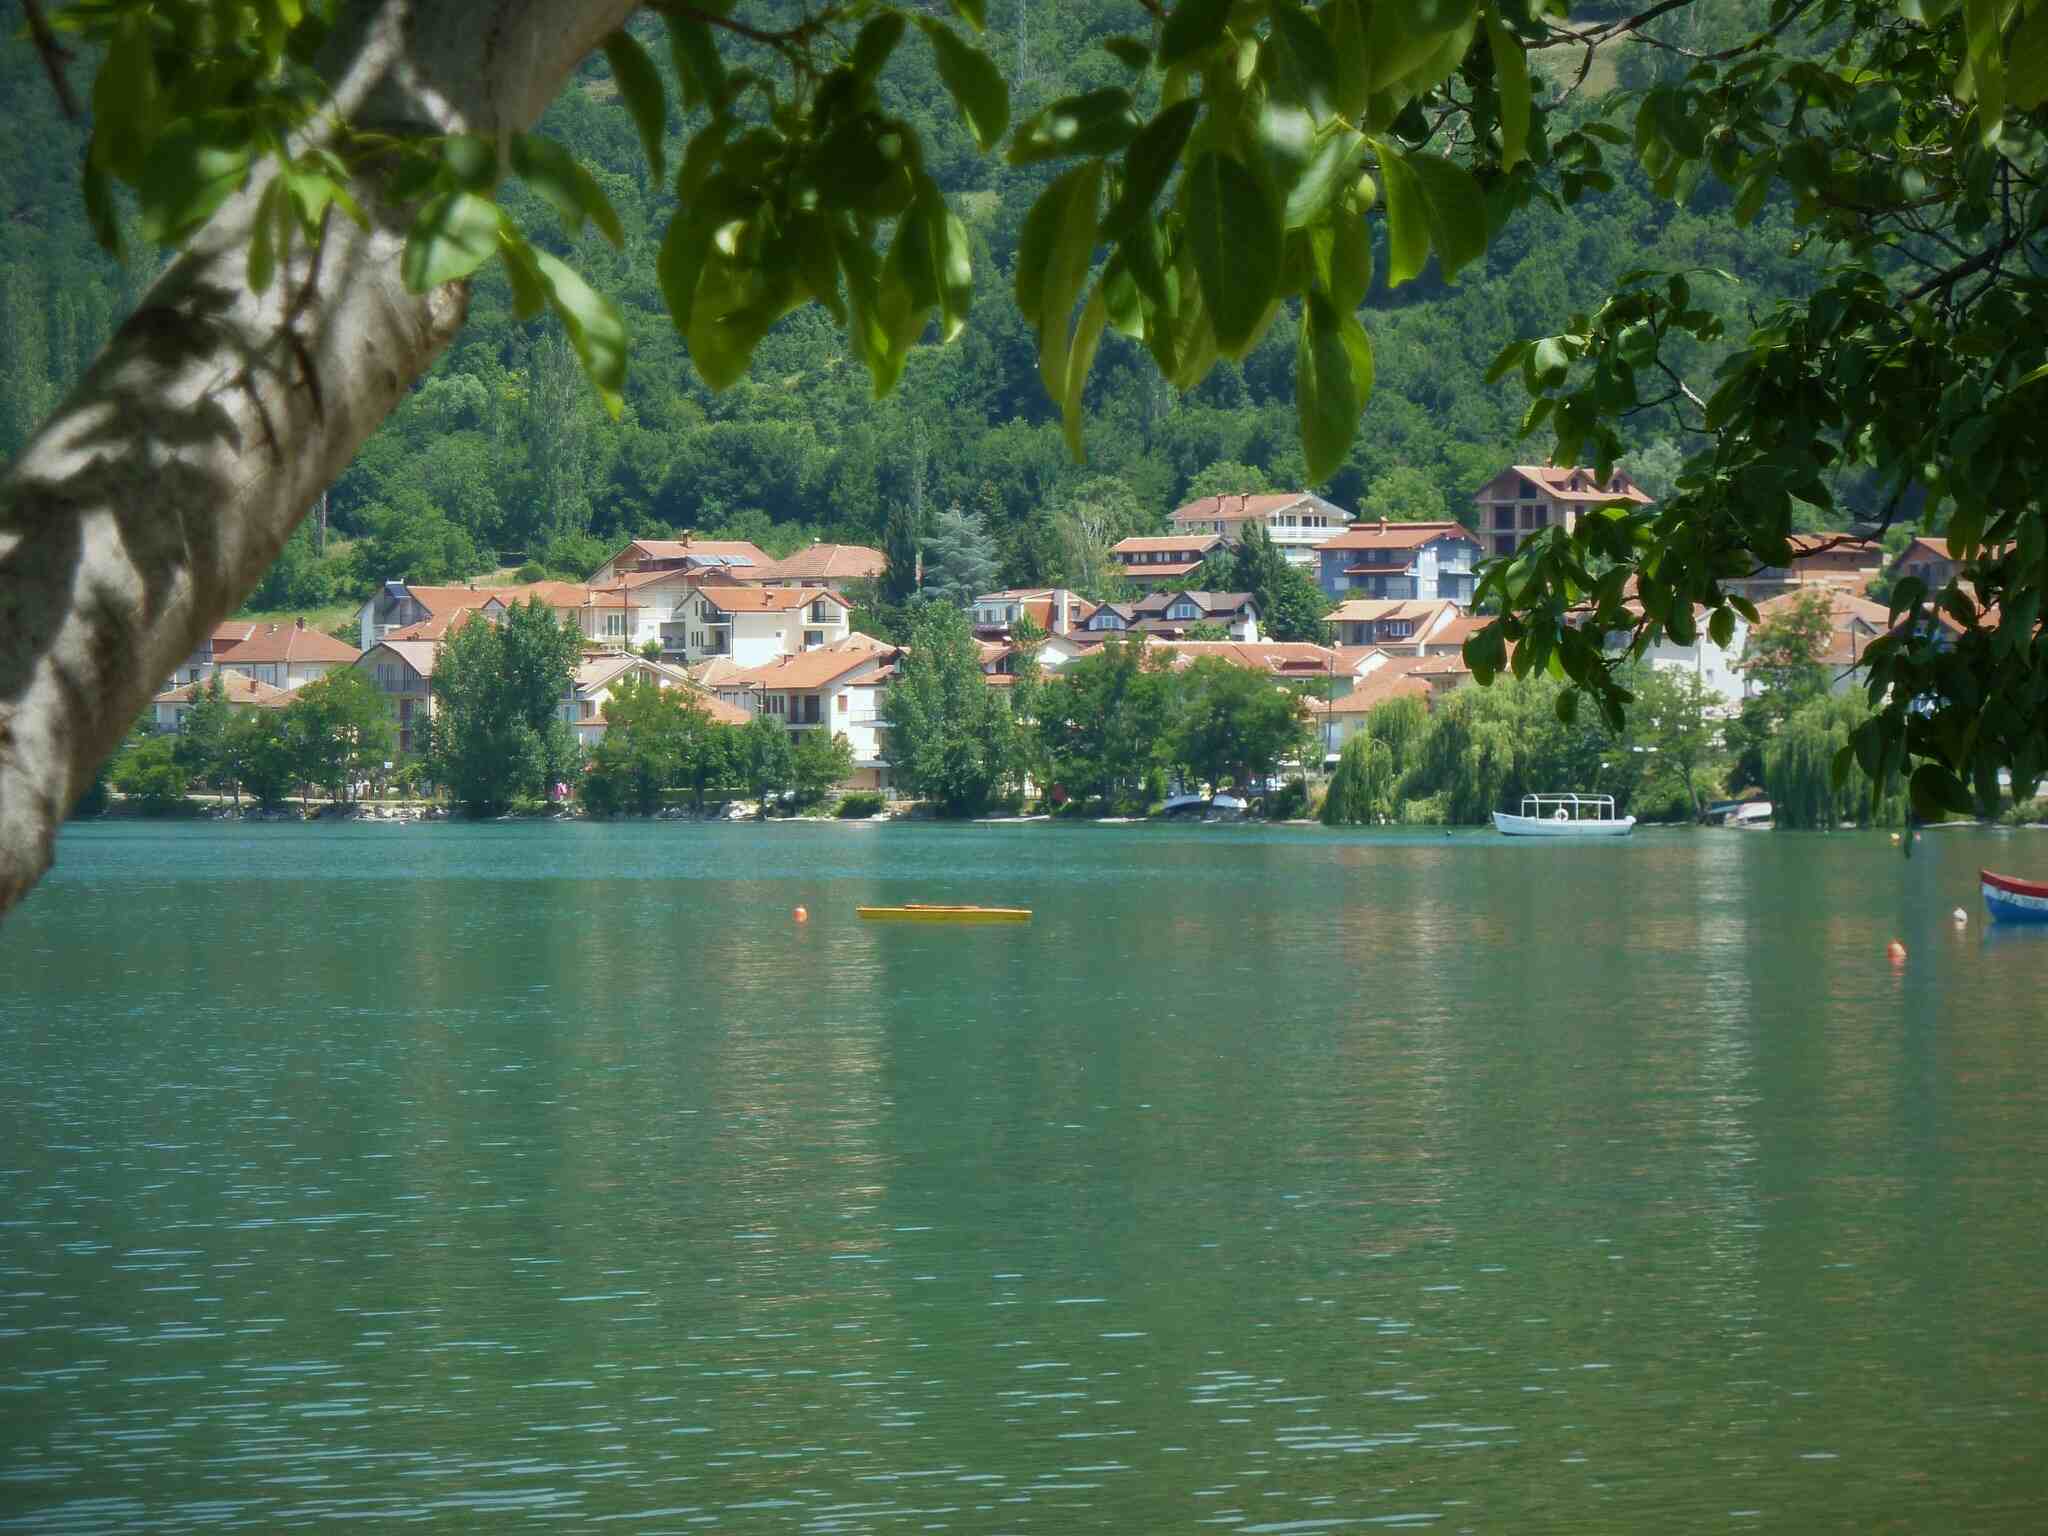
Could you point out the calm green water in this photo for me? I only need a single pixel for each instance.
(550, 1177)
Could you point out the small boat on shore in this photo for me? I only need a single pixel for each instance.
(917, 912)
(2011, 900)
(1564, 816)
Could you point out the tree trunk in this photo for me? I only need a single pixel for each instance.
(150, 504)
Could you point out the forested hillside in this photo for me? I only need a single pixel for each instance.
(502, 455)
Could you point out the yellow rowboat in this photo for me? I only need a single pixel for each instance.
(916, 913)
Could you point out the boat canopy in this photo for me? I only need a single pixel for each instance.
(1574, 807)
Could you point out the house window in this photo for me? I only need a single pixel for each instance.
(1183, 611)
(776, 704)
(1503, 517)
(1529, 492)
(813, 637)
(821, 612)
(839, 703)
(1504, 544)
(614, 625)
(1399, 629)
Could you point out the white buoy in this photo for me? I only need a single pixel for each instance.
(1962, 918)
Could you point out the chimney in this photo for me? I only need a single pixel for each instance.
(1383, 525)
(1059, 611)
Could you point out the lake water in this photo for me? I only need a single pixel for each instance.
(550, 1177)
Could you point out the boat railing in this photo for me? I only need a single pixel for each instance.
(1575, 807)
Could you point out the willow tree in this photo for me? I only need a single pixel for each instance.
(330, 170)
(1799, 770)
(1373, 767)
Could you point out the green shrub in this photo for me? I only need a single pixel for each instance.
(1289, 802)
(530, 572)
(148, 772)
(865, 803)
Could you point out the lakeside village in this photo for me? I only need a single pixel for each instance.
(702, 677)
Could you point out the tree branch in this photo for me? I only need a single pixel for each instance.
(146, 508)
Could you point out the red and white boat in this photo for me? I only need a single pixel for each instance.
(2014, 901)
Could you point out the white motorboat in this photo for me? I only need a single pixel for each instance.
(1565, 816)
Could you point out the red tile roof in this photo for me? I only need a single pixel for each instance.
(1385, 535)
(1581, 485)
(1240, 507)
(1151, 544)
(825, 562)
(1282, 658)
(807, 669)
(239, 687)
(768, 599)
(288, 643)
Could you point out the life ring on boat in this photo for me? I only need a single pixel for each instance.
(1559, 815)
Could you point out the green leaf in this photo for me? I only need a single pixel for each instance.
(1721, 627)
(877, 40)
(681, 260)
(1456, 209)
(975, 84)
(96, 191)
(471, 160)
(453, 235)
(935, 260)
(698, 65)
(2027, 61)
(1351, 262)
(1192, 26)
(596, 328)
(1333, 373)
(1128, 51)
(1235, 237)
(1839, 770)
(1307, 65)
(1150, 162)
(263, 251)
(1350, 63)
(1511, 78)
(1407, 218)
(529, 293)
(565, 184)
(1331, 169)
(639, 85)
(124, 102)
(1081, 358)
(973, 12)
(1095, 124)
(1054, 252)
(191, 170)
(1936, 791)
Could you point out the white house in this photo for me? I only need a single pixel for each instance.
(1425, 561)
(750, 626)
(736, 556)
(836, 688)
(211, 651)
(1718, 667)
(403, 671)
(286, 655)
(1296, 521)
(241, 692)
(599, 676)
(1399, 623)
(1055, 610)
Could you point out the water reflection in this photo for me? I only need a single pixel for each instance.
(1270, 1180)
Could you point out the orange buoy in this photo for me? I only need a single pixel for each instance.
(801, 915)
(1895, 952)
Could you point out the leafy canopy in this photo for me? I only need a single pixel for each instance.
(1244, 178)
